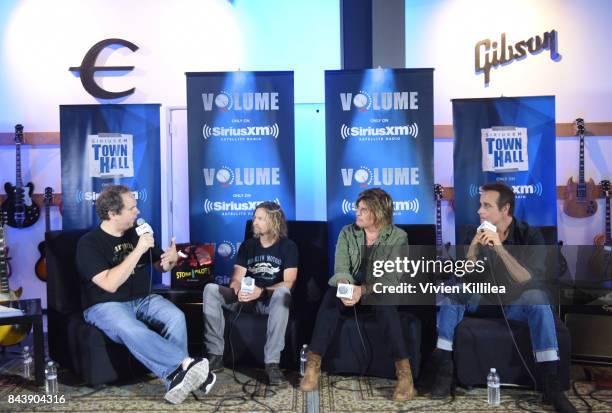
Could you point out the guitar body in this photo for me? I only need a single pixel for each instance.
(11, 335)
(583, 206)
(29, 210)
(600, 263)
(40, 268)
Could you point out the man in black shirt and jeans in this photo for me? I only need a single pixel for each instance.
(271, 259)
(516, 256)
(112, 261)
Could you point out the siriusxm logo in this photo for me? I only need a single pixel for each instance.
(232, 207)
(398, 206)
(376, 101)
(519, 190)
(232, 131)
(241, 176)
(227, 249)
(361, 131)
(240, 101)
(365, 176)
(90, 196)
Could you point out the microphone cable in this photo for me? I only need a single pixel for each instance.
(251, 395)
(501, 306)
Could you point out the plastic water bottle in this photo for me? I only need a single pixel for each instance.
(493, 394)
(51, 386)
(27, 362)
(303, 357)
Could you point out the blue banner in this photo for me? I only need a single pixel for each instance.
(105, 145)
(379, 133)
(511, 140)
(241, 152)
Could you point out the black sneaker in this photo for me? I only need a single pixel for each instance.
(208, 384)
(186, 381)
(215, 363)
(275, 376)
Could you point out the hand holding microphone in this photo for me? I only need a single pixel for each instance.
(487, 235)
(145, 232)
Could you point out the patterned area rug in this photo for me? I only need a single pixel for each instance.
(337, 394)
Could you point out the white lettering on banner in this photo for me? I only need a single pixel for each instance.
(380, 176)
(504, 149)
(232, 206)
(242, 176)
(110, 154)
(380, 100)
(245, 101)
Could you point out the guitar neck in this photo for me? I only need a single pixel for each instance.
(581, 161)
(47, 218)
(18, 164)
(608, 235)
(4, 285)
(438, 224)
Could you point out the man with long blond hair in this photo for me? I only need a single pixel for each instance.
(271, 259)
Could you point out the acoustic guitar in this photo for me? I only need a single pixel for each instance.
(580, 197)
(11, 334)
(40, 268)
(21, 210)
(600, 264)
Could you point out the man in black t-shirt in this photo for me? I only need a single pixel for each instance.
(112, 261)
(271, 259)
(520, 269)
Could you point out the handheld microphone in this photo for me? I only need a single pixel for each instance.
(247, 285)
(143, 227)
(486, 225)
(344, 291)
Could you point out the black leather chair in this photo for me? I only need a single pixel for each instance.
(346, 354)
(74, 344)
(248, 331)
(482, 340)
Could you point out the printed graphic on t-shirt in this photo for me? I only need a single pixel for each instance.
(264, 266)
(120, 252)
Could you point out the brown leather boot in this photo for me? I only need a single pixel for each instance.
(405, 387)
(310, 381)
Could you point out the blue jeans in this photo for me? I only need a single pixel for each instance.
(539, 317)
(128, 323)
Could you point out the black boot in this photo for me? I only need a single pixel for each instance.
(443, 381)
(552, 388)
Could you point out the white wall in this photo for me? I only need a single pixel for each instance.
(40, 39)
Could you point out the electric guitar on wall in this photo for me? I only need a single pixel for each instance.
(41, 265)
(21, 210)
(580, 197)
(10, 334)
(600, 264)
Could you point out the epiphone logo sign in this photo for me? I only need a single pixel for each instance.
(88, 69)
(490, 54)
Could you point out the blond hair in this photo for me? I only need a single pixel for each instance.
(276, 218)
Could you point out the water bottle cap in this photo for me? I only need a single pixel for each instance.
(304, 346)
(50, 363)
(26, 348)
(493, 370)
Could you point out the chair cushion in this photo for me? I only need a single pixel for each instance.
(346, 354)
(482, 343)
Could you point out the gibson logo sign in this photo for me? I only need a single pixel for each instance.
(490, 54)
